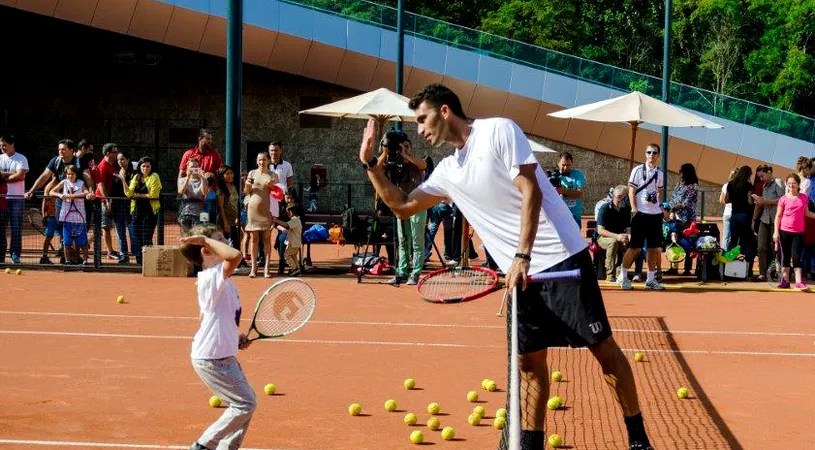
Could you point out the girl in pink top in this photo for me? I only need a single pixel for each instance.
(789, 230)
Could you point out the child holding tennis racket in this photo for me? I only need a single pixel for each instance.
(73, 192)
(218, 338)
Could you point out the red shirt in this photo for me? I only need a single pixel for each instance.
(210, 160)
(106, 172)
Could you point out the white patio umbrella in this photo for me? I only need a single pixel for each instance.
(540, 148)
(381, 105)
(635, 108)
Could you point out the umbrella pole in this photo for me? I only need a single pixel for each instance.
(634, 127)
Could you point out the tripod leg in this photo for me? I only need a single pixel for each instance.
(361, 270)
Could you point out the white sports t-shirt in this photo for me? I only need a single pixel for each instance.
(217, 337)
(478, 178)
(14, 163)
(644, 174)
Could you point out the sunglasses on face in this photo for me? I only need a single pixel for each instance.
(651, 153)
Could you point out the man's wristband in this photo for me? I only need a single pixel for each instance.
(370, 164)
(524, 256)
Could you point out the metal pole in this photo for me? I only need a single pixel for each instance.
(234, 84)
(666, 90)
(400, 50)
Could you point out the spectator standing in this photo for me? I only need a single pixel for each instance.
(789, 230)
(285, 176)
(106, 171)
(192, 191)
(144, 190)
(683, 202)
(13, 169)
(772, 189)
(644, 187)
(258, 186)
(120, 205)
(209, 158)
(739, 194)
(228, 201)
(572, 186)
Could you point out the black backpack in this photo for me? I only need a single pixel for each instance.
(353, 229)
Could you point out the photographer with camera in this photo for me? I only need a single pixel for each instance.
(407, 173)
(570, 183)
(644, 185)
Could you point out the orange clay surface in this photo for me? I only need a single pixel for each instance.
(79, 369)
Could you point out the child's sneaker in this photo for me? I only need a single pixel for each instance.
(784, 284)
(802, 286)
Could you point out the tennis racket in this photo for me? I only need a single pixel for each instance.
(37, 221)
(283, 309)
(512, 439)
(458, 284)
(775, 271)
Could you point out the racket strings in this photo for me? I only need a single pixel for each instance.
(458, 283)
(285, 310)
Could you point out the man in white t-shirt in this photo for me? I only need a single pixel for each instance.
(495, 180)
(285, 176)
(13, 167)
(644, 187)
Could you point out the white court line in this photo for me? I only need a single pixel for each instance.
(100, 444)
(404, 344)
(411, 324)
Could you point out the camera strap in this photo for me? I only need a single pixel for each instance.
(644, 185)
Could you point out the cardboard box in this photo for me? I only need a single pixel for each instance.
(165, 261)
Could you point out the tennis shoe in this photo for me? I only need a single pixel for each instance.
(802, 286)
(625, 283)
(784, 284)
(197, 446)
(654, 285)
(411, 281)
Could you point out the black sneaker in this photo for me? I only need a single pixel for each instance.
(639, 445)
(45, 260)
(197, 446)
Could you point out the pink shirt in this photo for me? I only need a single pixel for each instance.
(793, 212)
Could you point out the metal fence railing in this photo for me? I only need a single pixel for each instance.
(445, 33)
(35, 238)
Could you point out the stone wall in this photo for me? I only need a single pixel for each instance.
(72, 81)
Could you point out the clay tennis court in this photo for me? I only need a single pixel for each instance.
(81, 370)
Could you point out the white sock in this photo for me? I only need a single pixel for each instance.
(651, 275)
(623, 274)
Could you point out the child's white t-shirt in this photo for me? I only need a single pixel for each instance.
(217, 337)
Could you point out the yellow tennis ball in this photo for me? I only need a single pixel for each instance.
(499, 423)
(355, 409)
(484, 383)
(639, 357)
(214, 401)
(391, 405)
(557, 377)
(411, 419)
(474, 419)
(472, 396)
(8, 270)
(19, 271)
(682, 392)
(554, 403)
(433, 408)
(492, 386)
(555, 441)
(270, 389)
(410, 383)
(433, 424)
(448, 433)
(417, 437)
(501, 413)
(479, 410)
(120, 299)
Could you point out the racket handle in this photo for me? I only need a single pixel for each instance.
(554, 276)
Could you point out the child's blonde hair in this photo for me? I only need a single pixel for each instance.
(192, 252)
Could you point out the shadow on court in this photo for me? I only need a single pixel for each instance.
(591, 418)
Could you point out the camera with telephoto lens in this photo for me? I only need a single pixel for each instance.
(651, 197)
(554, 178)
(393, 140)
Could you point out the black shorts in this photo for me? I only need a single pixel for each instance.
(646, 227)
(563, 313)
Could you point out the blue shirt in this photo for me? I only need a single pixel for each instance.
(574, 180)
